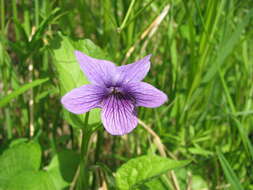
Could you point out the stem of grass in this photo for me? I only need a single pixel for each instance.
(2, 16)
(36, 13)
(137, 14)
(99, 144)
(127, 15)
(15, 17)
(27, 25)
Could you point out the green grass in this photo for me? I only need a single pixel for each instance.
(202, 58)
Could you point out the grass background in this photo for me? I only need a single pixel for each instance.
(202, 58)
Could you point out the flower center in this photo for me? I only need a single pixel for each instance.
(115, 90)
(119, 93)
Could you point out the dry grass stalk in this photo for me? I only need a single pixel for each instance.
(161, 149)
(150, 31)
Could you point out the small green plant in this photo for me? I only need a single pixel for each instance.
(200, 139)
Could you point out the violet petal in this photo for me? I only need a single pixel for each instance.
(100, 72)
(145, 94)
(118, 115)
(134, 72)
(84, 98)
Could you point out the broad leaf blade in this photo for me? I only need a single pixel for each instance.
(31, 180)
(157, 183)
(20, 157)
(69, 71)
(63, 168)
(141, 169)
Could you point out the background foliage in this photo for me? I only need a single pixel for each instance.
(202, 58)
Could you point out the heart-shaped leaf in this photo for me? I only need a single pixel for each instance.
(18, 158)
(31, 180)
(69, 72)
(63, 167)
(139, 170)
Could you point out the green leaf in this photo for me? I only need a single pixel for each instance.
(229, 173)
(246, 141)
(5, 100)
(69, 71)
(139, 170)
(18, 141)
(63, 168)
(154, 184)
(200, 151)
(36, 41)
(31, 180)
(198, 183)
(21, 31)
(20, 157)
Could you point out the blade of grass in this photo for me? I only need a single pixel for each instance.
(5, 100)
(229, 173)
(110, 36)
(15, 17)
(27, 24)
(137, 14)
(36, 5)
(2, 15)
(127, 15)
(246, 142)
(227, 47)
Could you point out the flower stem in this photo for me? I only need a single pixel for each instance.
(97, 154)
(84, 173)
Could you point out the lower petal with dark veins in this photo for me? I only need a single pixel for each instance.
(118, 114)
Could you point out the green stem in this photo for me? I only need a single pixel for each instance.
(15, 17)
(127, 15)
(27, 18)
(136, 15)
(97, 154)
(2, 16)
(86, 134)
(37, 11)
(8, 123)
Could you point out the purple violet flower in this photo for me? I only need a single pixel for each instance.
(116, 90)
